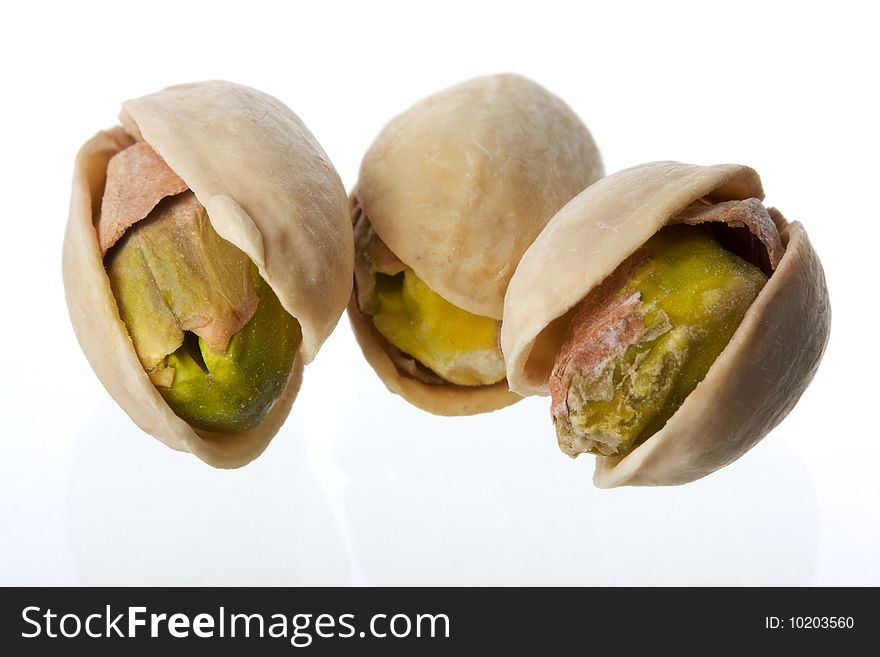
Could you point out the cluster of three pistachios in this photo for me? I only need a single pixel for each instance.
(211, 249)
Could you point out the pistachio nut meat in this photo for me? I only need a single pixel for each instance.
(449, 196)
(208, 255)
(673, 319)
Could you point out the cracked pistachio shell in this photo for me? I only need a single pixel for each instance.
(268, 188)
(751, 386)
(458, 187)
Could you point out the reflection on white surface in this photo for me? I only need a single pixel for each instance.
(382, 493)
(359, 487)
(144, 516)
(459, 500)
(489, 500)
(755, 524)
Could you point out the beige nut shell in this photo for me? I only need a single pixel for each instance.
(267, 187)
(755, 381)
(458, 186)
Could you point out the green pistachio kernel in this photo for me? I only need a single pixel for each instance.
(208, 330)
(459, 346)
(235, 390)
(692, 295)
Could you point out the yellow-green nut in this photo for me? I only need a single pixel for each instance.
(449, 196)
(676, 307)
(672, 318)
(208, 254)
(210, 333)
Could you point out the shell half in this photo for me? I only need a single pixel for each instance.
(459, 185)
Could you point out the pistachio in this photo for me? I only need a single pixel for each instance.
(207, 256)
(458, 346)
(211, 334)
(449, 196)
(235, 390)
(668, 351)
(632, 358)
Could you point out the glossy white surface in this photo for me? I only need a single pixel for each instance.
(359, 487)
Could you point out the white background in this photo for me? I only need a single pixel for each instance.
(359, 487)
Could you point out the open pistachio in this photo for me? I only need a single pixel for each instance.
(450, 195)
(673, 319)
(208, 255)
